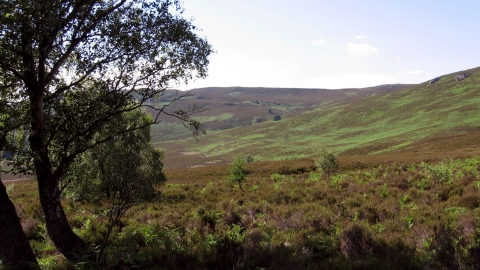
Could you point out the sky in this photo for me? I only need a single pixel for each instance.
(336, 43)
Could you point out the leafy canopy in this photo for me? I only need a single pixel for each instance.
(127, 168)
(77, 64)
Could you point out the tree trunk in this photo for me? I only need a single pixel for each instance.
(60, 232)
(15, 251)
(62, 235)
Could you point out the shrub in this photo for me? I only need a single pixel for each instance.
(277, 117)
(238, 173)
(326, 161)
(256, 119)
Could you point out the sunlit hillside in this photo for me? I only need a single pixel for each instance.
(354, 122)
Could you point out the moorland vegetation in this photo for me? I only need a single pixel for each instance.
(78, 82)
(391, 215)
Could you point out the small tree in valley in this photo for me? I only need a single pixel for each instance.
(326, 161)
(238, 173)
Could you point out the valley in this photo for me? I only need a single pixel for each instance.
(370, 121)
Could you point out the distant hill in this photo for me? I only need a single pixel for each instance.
(369, 121)
(231, 107)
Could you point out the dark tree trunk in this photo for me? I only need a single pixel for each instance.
(15, 251)
(60, 232)
(62, 235)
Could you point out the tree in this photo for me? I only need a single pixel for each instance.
(120, 172)
(326, 161)
(15, 251)
(77, 65)
(238, 173)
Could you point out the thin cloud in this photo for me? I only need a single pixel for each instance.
(413, 72)
(360, 49)
(319, 41)
(361, 37)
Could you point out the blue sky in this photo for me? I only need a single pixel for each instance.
(336, 43)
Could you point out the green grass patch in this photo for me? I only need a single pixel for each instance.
(391, 148)
(222, 117)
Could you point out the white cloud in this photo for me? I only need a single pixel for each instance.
(361, 37)
(340, 81)
(319, 41)
(360, 49)
(398, 58)
(413, 72)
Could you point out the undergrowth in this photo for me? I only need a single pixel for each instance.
(392, 216)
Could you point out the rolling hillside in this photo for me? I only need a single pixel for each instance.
(230, 107)
(353, 122)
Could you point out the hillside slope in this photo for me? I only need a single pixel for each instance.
(375, 123)
(230, 107)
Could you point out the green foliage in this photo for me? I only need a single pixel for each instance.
(121, 172)
(326, 161)
(238, 172)
(314, 176)
(441, 172)
(383, 192)
(336, 180)
(423, 183)
(127, 167)
(278, 177)
(403, 201)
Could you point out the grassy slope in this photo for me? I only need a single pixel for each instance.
(377, 123)
(231, 107)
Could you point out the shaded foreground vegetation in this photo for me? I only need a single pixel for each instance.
(386, 216)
